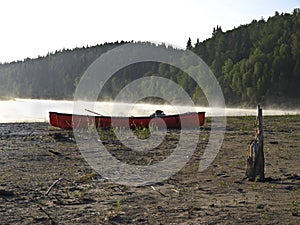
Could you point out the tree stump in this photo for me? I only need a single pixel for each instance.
(255, 169)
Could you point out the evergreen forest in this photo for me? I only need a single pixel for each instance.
(254, 63)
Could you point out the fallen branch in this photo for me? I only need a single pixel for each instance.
(48, 215)
(158, 191)
(54, 152)
(53, 184)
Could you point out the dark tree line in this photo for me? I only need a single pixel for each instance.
(54, 76)
(258, 62)
(254, 63)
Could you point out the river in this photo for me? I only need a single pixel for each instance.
(33, 110)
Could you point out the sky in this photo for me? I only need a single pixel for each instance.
(33, 28)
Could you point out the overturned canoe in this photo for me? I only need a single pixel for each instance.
(70, 121)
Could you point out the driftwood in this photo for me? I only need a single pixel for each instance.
(158, 191)
(52, 185)
(55, 183)
(255, 159)
(48, 215)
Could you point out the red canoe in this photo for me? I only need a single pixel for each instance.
(70, 121)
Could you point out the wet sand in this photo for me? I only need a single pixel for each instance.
(34, 156)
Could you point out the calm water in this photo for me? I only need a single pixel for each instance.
(31, 110)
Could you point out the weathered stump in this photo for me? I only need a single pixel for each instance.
(255, 169)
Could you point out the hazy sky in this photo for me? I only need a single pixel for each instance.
(34, 27)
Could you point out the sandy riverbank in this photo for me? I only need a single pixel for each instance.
(34, 155)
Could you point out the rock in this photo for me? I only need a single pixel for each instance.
(6, 193)
(260, 206)
(240, 190)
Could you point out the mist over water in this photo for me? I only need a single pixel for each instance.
(32, 110)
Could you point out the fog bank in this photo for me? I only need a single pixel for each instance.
(32, 110)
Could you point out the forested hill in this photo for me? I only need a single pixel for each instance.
(258, 62)
(51, 77)
(254, 63)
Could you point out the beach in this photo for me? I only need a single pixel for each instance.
(44, 179)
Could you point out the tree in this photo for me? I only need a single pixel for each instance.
(217, 30)
(254, 62)
(189, 44)
(197, 43)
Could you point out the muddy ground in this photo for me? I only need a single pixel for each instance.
(45, 180)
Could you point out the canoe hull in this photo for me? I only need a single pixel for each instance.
(70, 121)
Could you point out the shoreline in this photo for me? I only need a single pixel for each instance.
(206, 117)
(33, 156)
(38, 110)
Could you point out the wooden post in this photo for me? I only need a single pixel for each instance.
(255, 169)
